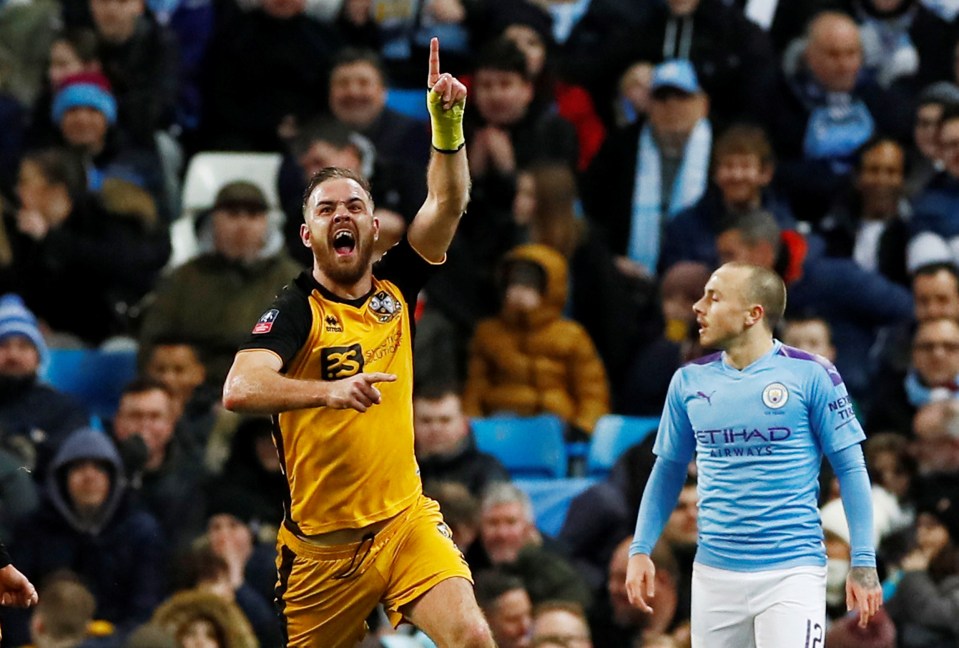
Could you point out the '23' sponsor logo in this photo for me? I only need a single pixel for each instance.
(341, 361)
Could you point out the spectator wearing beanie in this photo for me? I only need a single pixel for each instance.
(85, 113)
(85, 90)
(34, 417)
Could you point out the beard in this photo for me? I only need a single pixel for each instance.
(344, 274)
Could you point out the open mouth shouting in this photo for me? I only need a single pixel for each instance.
(344, 242)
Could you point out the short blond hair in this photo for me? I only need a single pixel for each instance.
(766, 288)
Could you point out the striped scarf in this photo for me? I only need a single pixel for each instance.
(647, 222)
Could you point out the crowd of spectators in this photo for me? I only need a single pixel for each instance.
(619, 151)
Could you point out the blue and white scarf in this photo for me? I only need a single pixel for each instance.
(565, 17)
(836, 130)
(688, 187)
(838, 123)
(919, 395)
(887, 48)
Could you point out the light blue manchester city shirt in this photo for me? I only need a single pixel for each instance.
(759, 435)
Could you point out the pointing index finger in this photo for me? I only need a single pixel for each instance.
(376, 377)
(434, 74)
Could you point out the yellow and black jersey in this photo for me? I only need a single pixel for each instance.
(347, 469)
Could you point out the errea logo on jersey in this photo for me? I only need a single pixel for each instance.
(332, 324)
(775, 395)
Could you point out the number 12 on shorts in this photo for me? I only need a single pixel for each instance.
(813, 634)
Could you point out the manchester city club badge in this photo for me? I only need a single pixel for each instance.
(775, 395)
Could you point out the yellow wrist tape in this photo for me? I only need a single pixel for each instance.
(447, 124)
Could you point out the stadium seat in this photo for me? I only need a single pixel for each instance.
(612, 436)
(551, 499)
(171, 164)
(528, 446)
(206, 173)
(408, 101)
(95, 377)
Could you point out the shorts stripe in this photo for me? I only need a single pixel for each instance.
(283, 572)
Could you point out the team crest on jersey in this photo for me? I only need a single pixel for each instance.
(444, 530)
(265, 323)
(385, 306)
(775, 395)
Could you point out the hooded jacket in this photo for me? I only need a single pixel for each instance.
(85, 444)
(537, 362)
(117, 553)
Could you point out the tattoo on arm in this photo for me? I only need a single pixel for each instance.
(864, 577)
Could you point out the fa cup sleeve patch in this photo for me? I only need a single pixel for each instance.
(265, 323)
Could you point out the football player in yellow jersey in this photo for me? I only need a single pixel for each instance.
(331, 359)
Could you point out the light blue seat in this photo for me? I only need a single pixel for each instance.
(408, 101)
(95, 377)
(527, 446)
(612, 436)
(551, 499)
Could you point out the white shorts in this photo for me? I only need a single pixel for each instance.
(779, 608)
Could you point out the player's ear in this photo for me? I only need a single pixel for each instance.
(755, 314)
(376, 228)
(305, 235)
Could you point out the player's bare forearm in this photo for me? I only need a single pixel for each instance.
(448, 186)
(262, 390)
(256, 386)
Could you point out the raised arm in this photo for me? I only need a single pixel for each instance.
(256, 386)
(447, 179)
